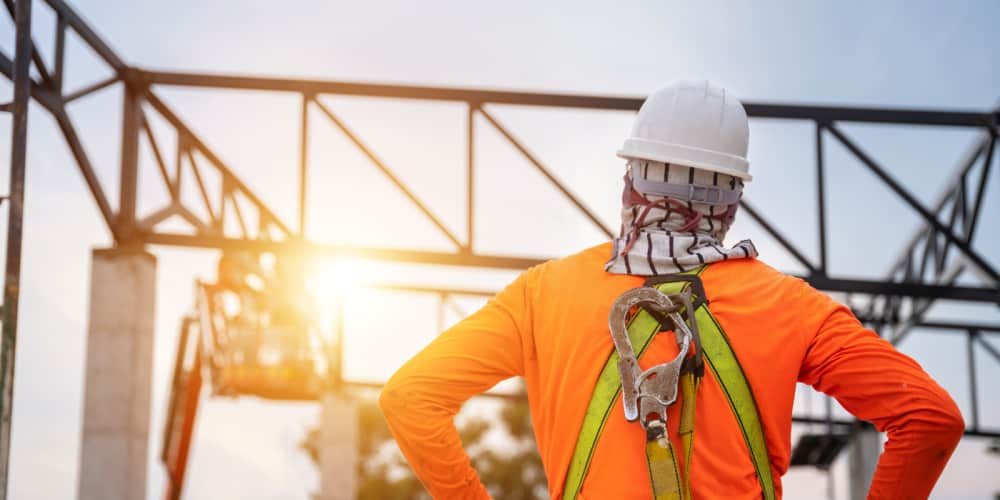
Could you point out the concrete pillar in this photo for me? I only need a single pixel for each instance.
(864, 453)
(115, 439)
(338, 448)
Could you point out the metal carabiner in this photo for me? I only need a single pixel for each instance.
(653, 390)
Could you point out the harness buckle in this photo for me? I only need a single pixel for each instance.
(648, 392)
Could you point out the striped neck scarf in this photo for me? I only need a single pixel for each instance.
(665, 235)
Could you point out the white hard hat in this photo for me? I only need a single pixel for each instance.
(692, 123)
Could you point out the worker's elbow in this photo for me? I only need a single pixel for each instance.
(392, 400)
(942, 419)
(953, 424)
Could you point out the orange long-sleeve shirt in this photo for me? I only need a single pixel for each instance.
(550, 327)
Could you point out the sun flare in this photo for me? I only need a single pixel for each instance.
(334, 280)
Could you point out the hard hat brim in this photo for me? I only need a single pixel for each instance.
(713, 161)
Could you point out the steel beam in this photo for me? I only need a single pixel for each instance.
(470, 178)
(911, 286)
(925, 236)
(303, 164)
(609, 103)
(226, 173)
(161, 165)
(970, 344)
(58, 70)
(80, 27)
(388, 173)
(956, 327)
(579, 204)
(51, 102)
(129, 176)
(391, 91)
(946, 325)
(780, 238)
(971, 219)
(906, 196)
(464, 259)
(879, 287)
(15, 219)
(90, 89)
(36, 57)
(282, 246)
(196, 173)
(821, 199)
(443, 291)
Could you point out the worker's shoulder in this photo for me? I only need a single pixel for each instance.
(589, 260)
(749, 267)
(740, 275)
(583, 270)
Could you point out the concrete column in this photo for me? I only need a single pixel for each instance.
(864, 453)
(115, 439)
(338, 448)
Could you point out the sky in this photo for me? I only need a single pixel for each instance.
(887, 54)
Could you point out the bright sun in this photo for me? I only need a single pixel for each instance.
(335, 279)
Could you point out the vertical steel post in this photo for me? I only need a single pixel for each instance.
(971, 336)
(60, 57)
(303, 163)
(12, 275)
(131, 123)
(338, 347)
(831, 480)
(440, 312)
(981, 188)
(820, 197)
(470, 186)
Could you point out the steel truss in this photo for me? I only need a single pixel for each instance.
(926, 271)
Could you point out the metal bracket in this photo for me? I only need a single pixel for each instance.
(653, 390)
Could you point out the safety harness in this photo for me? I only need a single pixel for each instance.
(666, 303)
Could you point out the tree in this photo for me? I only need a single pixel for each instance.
(511, 471)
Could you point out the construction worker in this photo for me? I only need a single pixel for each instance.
(743, 335)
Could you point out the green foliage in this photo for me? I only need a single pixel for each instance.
(512, 471)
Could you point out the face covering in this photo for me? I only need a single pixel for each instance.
(674, 219)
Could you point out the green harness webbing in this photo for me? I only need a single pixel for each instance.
(664, 474)
(715, 348)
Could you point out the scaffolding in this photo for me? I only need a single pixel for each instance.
(237, 221)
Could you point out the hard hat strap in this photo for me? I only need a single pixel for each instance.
(709, 195)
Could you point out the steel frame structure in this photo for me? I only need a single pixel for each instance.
(927, 270)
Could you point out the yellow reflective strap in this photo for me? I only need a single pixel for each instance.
(641, 330)
(722, 361)
(689, 390)
(663, 472)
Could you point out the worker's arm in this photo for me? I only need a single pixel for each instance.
(877, 383)
(420, 401)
